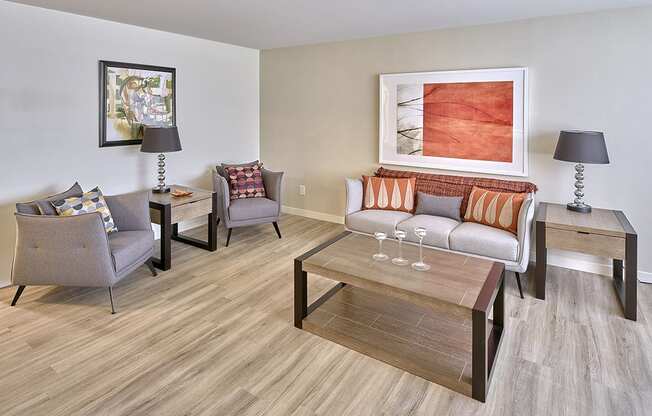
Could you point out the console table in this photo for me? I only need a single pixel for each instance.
(168, 211)
(602, 232)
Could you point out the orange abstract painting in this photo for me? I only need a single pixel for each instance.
(468, 120)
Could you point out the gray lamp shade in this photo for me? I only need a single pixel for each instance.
(581, 147)
(161, 140)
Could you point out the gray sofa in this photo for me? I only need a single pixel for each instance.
(76, 250)
(445, 233)
(248, 211)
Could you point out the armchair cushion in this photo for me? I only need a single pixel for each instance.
(246, 181)
(252, 208)
(43, 206)
(221, 169)
(128, 247)
(91, 201)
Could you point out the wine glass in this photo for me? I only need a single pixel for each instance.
(380, 256)
(420, 265)
(400, 261)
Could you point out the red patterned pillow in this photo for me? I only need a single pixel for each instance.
(246, 181)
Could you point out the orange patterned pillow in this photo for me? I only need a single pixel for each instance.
(495, 209)
(388, 193)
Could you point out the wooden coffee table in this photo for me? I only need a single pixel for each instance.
(433, 324)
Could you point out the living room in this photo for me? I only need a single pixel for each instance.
(315, 279)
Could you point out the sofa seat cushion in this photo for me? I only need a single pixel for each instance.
(376, 220)
(129, 246)
(252, 208)
(483, 240)
(437, 229)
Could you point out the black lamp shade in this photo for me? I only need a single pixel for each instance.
(581, 147)
(161, 140)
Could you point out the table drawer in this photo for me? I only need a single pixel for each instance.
(589, 243)
(191, 210)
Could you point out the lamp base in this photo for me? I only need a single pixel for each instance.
(159, 190)
(583, 208)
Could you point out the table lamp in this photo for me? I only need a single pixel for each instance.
(161, 140)
(581, 147)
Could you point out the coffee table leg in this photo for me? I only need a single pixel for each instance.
(631, 278)
(300, 294)
(165, 262)
(542, 259)
(486, 346)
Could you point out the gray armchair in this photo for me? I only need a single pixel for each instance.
(248, 211)
(76, 250)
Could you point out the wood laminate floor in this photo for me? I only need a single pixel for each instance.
(213, 336)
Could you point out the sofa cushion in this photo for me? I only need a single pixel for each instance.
(43, 206)
(495, 209)
(376, 220)
(129, 246)
(483, 240)
(437, 229)
(389, 194)
(440, 206)
(252, 208)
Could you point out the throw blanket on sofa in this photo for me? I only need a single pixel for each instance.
(450, 185)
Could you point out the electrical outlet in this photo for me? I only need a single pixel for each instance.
(302, 190)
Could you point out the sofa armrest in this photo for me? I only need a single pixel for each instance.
(65, 251)
(221, 188)
(353, 195)
(273, 183)
(525, 220)
(130, 212)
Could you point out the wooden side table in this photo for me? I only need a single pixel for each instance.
(602, 232)
(168, 211)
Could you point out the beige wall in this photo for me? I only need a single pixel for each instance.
(49, 108)
(319, 104)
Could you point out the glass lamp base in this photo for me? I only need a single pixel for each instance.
(159, 190)
(579, 207)
(420, 266)
(380, 257)
(399, 261)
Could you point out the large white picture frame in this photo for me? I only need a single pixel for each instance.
(456, 120)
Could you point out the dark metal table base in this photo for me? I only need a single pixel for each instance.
(170, 232)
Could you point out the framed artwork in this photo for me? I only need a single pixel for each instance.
(133, 96)
(473, 121)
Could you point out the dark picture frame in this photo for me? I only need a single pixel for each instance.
(135, 126)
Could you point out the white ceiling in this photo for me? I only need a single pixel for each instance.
(264, 24)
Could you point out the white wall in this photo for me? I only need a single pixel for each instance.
(319, 105)
(49, 108)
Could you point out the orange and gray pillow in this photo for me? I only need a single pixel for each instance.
(91, 201)
(495, 209)
(388, 193)
(245, 181)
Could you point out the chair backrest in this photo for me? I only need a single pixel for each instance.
(43, 206)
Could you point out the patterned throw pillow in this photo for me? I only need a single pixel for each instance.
(388, 193)
(495, 209)
(91, 201)
(246, 181)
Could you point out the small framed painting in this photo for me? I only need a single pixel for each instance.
(133, 96)
(473, 120)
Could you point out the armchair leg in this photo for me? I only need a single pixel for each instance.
(518, 282)
(19, 292)
(111, 298)
(151, 267)
(278, 232)
(228, 237)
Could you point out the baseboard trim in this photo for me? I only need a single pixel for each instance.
(313, 214)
